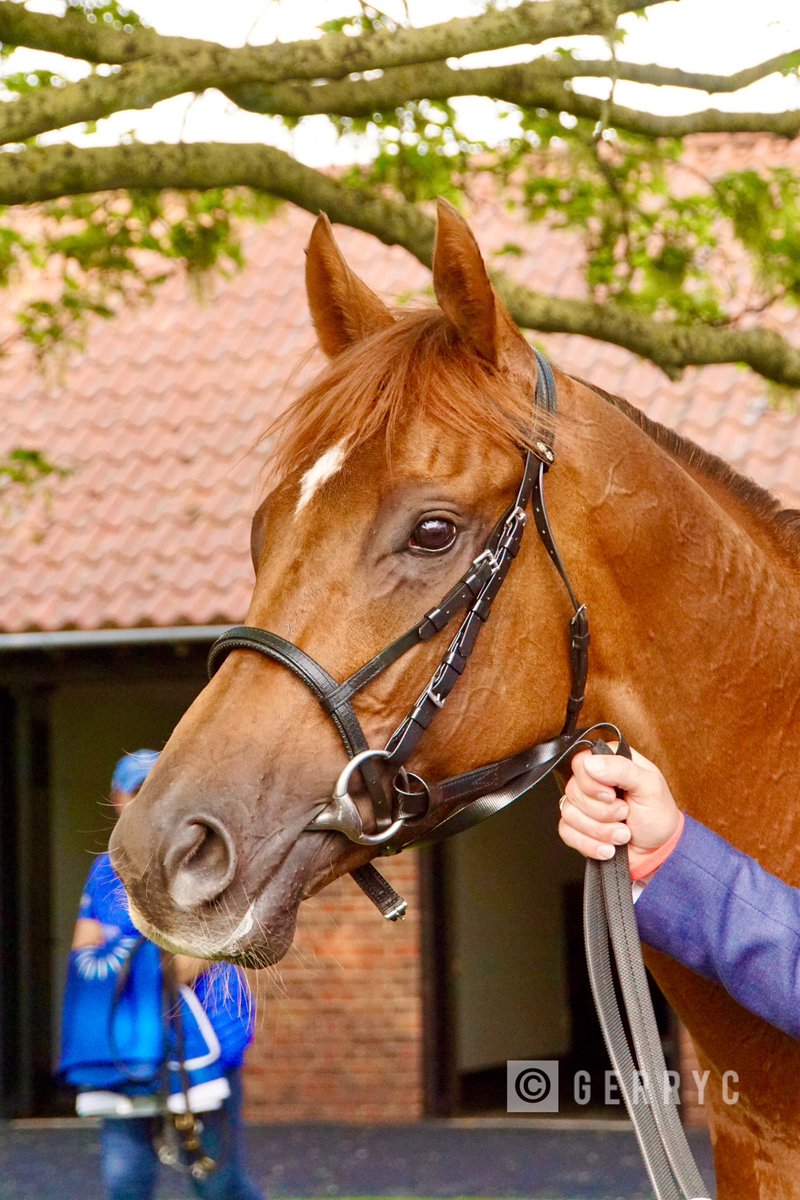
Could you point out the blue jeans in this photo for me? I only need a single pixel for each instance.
(130, 1161)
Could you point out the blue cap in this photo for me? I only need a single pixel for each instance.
(132, 770)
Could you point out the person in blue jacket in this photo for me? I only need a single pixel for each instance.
(698, 899)
(217, 999)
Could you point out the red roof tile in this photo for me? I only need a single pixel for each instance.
(160, 420)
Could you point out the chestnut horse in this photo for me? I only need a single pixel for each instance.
(392, 471)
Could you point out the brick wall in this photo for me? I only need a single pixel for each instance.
(339, 1023)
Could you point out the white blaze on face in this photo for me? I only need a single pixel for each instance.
(323, 469)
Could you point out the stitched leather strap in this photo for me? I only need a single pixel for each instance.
(323, 685)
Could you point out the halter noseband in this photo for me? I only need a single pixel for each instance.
(483, 790)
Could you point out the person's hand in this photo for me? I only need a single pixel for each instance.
(593, 818)
(88, 934)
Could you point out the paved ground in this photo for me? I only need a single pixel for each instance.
(429, 1159)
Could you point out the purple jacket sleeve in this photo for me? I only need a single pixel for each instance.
(717, 911)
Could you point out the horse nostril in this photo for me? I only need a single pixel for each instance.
(200, 862)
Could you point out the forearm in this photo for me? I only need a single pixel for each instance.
(720, 913)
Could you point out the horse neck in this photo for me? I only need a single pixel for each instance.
(695, 624)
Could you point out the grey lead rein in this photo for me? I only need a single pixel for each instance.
(609, 926)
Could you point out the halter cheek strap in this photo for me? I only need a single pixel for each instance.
(328, 692)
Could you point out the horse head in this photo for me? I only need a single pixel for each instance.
(397, 471)
(393, 470)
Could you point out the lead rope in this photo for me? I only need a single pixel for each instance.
(180, 1146)
(609, 923)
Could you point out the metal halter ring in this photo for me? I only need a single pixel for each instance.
(340, 814)
(404, 788)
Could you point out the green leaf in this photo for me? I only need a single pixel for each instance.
(119, 16)
(26, 468)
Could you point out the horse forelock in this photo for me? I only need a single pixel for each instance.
(416, 368)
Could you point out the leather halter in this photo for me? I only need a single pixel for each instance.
(411, 798)
(477, 794)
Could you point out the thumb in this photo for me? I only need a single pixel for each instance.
(613, 770)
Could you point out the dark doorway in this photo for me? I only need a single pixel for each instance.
(505, 946)
(65, 717)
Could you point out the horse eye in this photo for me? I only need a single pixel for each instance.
(434, 535)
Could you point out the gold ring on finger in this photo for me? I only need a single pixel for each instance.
(562, 802)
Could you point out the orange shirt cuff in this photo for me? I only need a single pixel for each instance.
(652, 861)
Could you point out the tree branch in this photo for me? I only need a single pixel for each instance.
(138, 85)
(30, 176)
(438, 81)
(38, 174)
(173, 65)
(657, 76)
(655, 125)
(671, 346)
(75, 37)
(141, 85)
(524, 84)
(334, 55)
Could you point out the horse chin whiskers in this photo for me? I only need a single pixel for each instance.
(160, 938)
(198, 947)
(241, 931)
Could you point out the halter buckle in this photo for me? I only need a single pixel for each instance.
(544, 453)
(517, 514)
(489, 557)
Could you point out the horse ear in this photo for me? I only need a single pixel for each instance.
(466, 295)
(344, 310)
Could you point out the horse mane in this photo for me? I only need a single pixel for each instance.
(782, 523)
(416, 367)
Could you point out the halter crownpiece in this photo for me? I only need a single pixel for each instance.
(483, 790)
